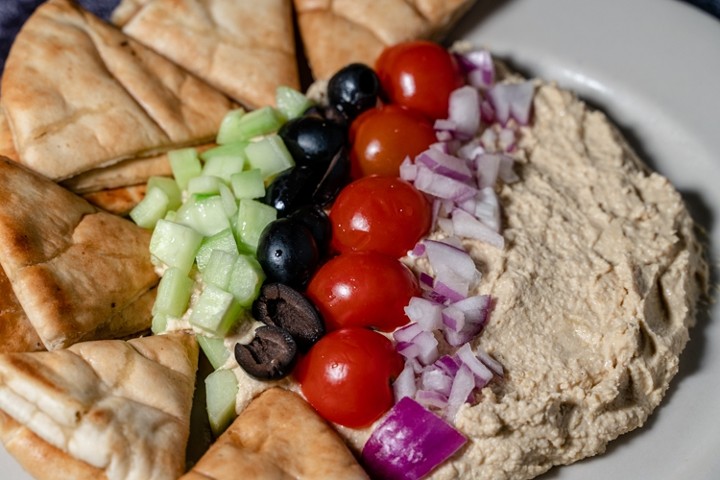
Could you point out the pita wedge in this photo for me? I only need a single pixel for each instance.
(16, 332)
(79, 95)
(245, 48)
(117, 200)
(338, 32)
(7, 145)
(106, 409)
(79, 273)
(278, 436)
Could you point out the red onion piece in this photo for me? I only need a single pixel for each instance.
(445, 164)
(427, 314)
(452, 266)
(463, 385)
(408, 170)
(478, 66)
(431, 399)
(466, 225)
(464, 110)
(442, 186)
(512, 100)
(467, 357)
(490, 362)
(409, 443)
(404, 385)
(407, 332)
(434, 378)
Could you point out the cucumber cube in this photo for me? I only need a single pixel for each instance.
(185, 165)
(214, 349)
(246, 278)
(224, 165)
(170, 187)
(221, 388)
(252, 218)
(204, 185)
(229, 201)
(234, 151)
(173, 293)
(151, 208)
(250, 125)
(219, 268)
(215, 312)
(248, 184)
(270, 155)
(206, 215)
(227, 132)
(290, 102)
(159, 323)
(175, 245)
(222, 241)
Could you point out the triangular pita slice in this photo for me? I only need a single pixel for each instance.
(128, 172)
(79, 273)
(16, 332)
(100, 410)
(125, 10)
(336, 33)
(278, 436)
(79, 94)
(7, 145)
(245, 48)
(117, 200)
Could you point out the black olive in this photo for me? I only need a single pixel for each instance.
(270, 355)
(335, 178)
(327, 112)
(354, 89)
(316, 220)
(285, 307)
(313, 141)
(292, 189)
(287, 253)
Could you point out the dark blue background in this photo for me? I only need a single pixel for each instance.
(14, 12)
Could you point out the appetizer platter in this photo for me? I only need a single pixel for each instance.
(522, 284)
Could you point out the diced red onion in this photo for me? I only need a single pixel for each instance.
(487, 166)
(409, 443)
(478, 66)
(427, 314)
(453, 318)
(451, 265)
(512, 100)
(487, 112)
(466, 225)
(426, 279)
(434, 378)
(445, 224)
(441, 147)
(482, 373)
(445, 164)
(428, 345)
(464, 110)
(448, 364)
(442, 186)
(470, 150)
(408, 349)
(506, 172)
(463, 385)
(490, 362)
(404, 385)
(407, 332)
(475, 308)
(408, 170)
(431, 398)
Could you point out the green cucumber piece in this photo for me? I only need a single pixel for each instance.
(270, 155)
(246, 278)
(221, 388)
(252, 218)
(235, 151)
(215, 312)
(170, 187)
(224, 165)
(248, 184)
(204, 185)
(227, 132)
(185, 165)
(159, 323)
(206, 215)
(219, 268)
(175, 245)
(229, 201)
(290, 102)
(262, 121)
(223, 241)
(214, 349)
(151, 208)
(173, 293)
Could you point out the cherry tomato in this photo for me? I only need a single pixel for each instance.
(382, 137)
(419, 75)
(346, 376)
(380, 214)
(363, 289)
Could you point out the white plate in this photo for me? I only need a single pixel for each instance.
(654, 67)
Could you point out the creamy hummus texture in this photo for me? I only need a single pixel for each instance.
(595, 291)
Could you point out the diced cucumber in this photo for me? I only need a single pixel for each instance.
(248, 184)
(246, 279)
(222, 241)
(159, 323)
(175, 245)
(234, 151)
(204, 185)
(290, 102)
(204, 214)
(229, 201)
(171, 215)
(215, 312)
(173, 293)
(229, 126)
(221, 388)
(170, 187)
(185, 165)
(252, 218)
(151, 208)
(270, 155)
(219, 268)
(214, 349)
(224, 165)
(253, 124)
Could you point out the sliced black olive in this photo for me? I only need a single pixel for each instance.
(287, 253)
(270, 355)
(285, 307)
(316, 220)
(292, 189)
(335, 178)
(313, 141)
(354, 89)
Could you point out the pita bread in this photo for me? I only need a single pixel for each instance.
(100, 410)
(79, 94)
(128, 172)
(117, 200)
(79, 273)
(244, 48)
(125, 10)
(7, 145)
(336, 33)
(16, 332)
(278, 436)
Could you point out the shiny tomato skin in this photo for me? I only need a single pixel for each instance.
(346, 376)
(363, 289)
(419, 75)
(380, 214)
(382, 137)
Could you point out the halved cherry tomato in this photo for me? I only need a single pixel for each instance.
(419, 75)
(363, 289)
(382, 137)
(346, 376)
(380, 214)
